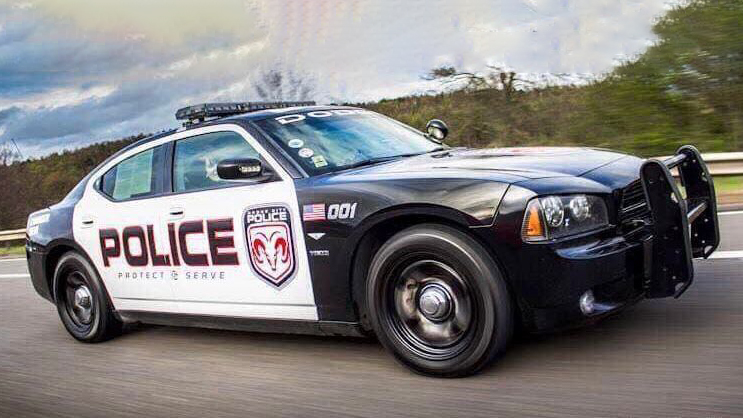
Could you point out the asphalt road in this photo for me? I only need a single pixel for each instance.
(660, 358)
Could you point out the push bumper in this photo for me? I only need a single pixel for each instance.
(684, 227)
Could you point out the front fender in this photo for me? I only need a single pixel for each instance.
(390, 204)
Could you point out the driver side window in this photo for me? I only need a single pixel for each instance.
(195, 159)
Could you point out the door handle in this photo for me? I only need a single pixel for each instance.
(175, 213)
(87, 221)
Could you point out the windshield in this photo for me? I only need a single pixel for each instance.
(328, 140)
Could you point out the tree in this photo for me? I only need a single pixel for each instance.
(450, 75)
(495, 77)
(8, 154)
(440, 72)
(277, 85)
(697, 63)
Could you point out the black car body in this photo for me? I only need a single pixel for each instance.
(641, 246)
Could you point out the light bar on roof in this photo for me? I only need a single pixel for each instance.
(200, 112)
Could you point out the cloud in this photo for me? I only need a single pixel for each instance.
(55, 98)
(76, 72)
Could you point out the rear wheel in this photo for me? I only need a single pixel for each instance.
(438, 302)
(82, 302)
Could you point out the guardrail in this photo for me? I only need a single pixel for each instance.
(12, 235)
(722, 164)
(719, 164)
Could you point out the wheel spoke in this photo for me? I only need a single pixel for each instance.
(78, 299)
(432, 307)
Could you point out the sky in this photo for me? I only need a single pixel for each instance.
(79, 71)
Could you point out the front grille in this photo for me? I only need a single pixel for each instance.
(634, 206)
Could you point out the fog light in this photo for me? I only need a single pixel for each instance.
(587, 303)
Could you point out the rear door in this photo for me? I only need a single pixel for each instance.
(241, 242)
(117, 223)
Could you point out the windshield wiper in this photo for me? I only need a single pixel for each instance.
(437, 149)
(372, 161)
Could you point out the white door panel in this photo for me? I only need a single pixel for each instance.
(130, 287)
(237, 290)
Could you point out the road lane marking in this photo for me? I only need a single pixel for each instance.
(15, 276)
(727, 254)
(7, 260)
(734, 212)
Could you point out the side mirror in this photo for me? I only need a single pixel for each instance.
(239, 169)
(437, 129)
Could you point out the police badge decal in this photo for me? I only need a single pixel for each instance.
(268, 231)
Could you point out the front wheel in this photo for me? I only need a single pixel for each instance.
(82, 301)
(438, 301)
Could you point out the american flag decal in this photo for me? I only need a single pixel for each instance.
(314, 212)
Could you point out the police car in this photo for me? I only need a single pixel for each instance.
(335, 220)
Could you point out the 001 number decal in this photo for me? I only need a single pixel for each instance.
(342, 211)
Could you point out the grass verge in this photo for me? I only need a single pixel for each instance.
(729, 190)
(12, 250)
(729, 185)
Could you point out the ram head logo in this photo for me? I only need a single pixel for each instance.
(273, 249)
(271, 252)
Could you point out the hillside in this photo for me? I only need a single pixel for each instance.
(34, 184)
(687, 88)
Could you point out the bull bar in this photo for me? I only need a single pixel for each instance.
(684, 225)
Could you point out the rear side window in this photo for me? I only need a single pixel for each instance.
(138, 176)
(195, 159)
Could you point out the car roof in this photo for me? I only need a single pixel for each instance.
(249, 116)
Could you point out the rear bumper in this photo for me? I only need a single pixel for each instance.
(36, 258)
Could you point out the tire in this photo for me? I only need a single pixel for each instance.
(438, 302)
(82, 301)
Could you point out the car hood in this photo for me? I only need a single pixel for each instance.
(509, 164)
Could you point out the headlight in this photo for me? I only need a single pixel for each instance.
(554, 211)
(36, 219)
(553, 217)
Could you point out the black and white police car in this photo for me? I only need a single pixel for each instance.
(335, 220)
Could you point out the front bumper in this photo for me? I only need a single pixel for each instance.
(611, 267)
(650, 258)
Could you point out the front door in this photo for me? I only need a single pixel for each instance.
(241, 245)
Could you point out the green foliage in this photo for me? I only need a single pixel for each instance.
(728, 185)
(37, 183)
(13, 250)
